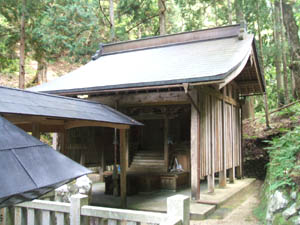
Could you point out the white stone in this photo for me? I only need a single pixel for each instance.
(82, 185)
(290, 211)
(296, 221)
(294, 195)
(277, 201)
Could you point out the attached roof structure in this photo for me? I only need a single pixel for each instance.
(54, 112)
(30, 168)
(216, 55)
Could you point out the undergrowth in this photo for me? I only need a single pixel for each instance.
(283, 154)
(283, 171)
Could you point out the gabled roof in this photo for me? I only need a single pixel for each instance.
(214, 55)
(53, 109)
(30, 168)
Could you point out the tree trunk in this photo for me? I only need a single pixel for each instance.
(248, 108)
(284, 54)
(229, 11)
(41, 72)
(277, 56)
(216, 12)
(293, 38)
(162, 16)
(238, 4)
(262, 61)
(112, 20)
(22, 48)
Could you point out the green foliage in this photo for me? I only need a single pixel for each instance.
(283, 153)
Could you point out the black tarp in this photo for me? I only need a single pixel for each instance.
(30, 168)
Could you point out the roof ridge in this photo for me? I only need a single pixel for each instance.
(158, 41)
(164, 46)
(168, 35)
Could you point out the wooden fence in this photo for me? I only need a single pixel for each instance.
(78, 212)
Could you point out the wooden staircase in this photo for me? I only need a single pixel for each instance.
(152, 161)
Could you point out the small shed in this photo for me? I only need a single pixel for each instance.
(187, 90)
(37, 112)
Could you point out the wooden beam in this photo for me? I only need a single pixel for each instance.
(36, 130)
(154, 98)
(195, 151)
(227, 99)
(123, 180)
(83, 123)
(43, 127)
(27, 119)
(257, 72)
(166, 144)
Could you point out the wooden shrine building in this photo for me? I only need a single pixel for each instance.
(187, 90)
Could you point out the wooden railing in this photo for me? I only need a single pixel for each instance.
(78, 212)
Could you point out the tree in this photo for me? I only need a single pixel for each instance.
(22, 47)
(162, 16)
(277, 53)
(293, 38)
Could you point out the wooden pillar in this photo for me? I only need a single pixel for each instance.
(239, 172)
(36, 130)
(195, 149)
(63, 142)
(127, 149)
(222, 174)
(232, 170)
(211, 143)
(82, 157)
(166, 145)
(123, 180)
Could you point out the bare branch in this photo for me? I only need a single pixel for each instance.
(104, 14)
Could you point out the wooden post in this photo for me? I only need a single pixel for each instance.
(166, 145)
(232, 170)
(127, 149)
(211, 143)
(5, 215)
(77, 201)
(240, 133)
(19, 216)
(36, 130)
(82, 157)
(222, 174)
(195, 151)
(123, 153)
(178, 206)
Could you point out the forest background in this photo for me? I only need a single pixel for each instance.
(49, 33)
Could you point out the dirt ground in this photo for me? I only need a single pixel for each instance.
(237, 211)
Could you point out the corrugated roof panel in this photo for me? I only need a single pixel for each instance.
(188, 62)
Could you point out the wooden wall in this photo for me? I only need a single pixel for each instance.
(212, 131)
(218, 128)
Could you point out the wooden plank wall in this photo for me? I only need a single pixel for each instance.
(211, 135)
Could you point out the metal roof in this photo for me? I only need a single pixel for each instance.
(30, 168)
(16, 101)
(198, 59)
